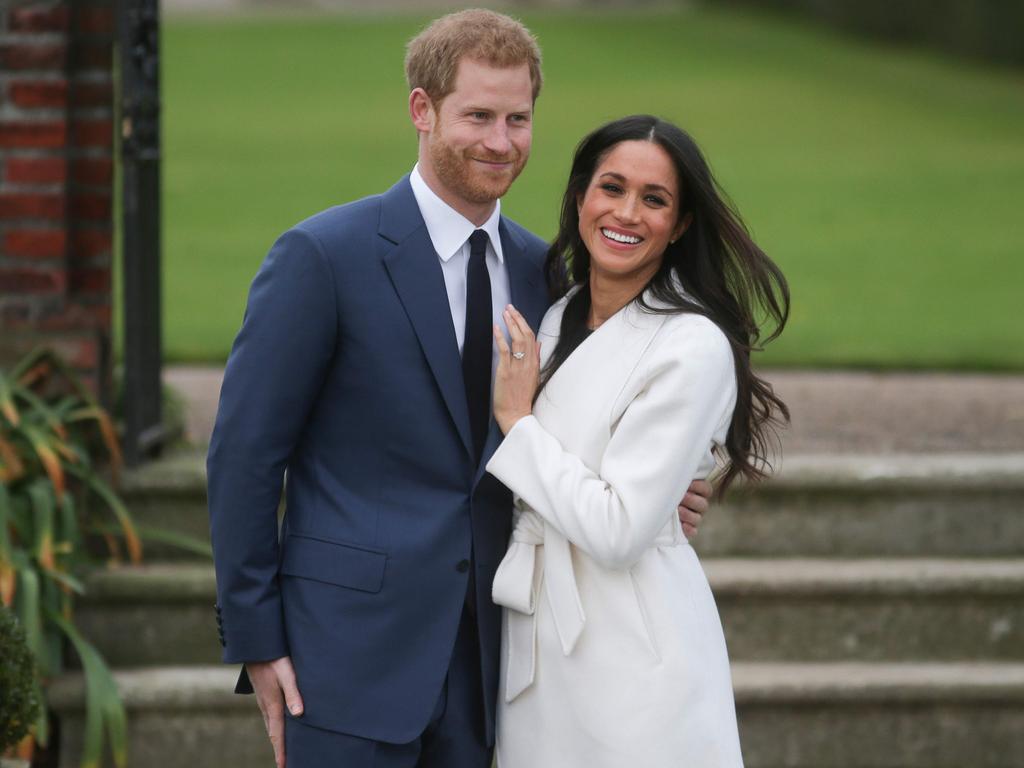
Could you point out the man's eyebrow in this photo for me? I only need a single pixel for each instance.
(620, 177)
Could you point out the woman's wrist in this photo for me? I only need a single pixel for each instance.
(505, 423)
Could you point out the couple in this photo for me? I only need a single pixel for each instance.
(374, 337)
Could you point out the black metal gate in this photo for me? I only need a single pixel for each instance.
(139, 38)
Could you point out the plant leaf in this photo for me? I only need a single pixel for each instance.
(103, 701)
(7, 407)
(26, 602)
(183, 541)
(40, 407)
(108, 433)
(41, 496)
(13, 468)
(47, 456)
(116, 506)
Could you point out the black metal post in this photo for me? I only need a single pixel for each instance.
(139, 22)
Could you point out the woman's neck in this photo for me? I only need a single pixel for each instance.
(609, 295)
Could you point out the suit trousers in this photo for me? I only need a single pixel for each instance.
(454, 737)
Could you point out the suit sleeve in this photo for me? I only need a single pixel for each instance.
(273, 377)
(686, 394)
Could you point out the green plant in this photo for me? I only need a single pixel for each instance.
(52, 435)
(19, 704)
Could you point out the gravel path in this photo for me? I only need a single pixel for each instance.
(833, 411)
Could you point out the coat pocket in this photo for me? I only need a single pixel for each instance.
(645, 617)
(343, 565)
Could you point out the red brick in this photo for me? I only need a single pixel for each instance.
(92, 171)
(18, 280)
(70, 317)
(93, 56)
(39, 18)
(39, 94)
(91, 206)
(14, 316)
(21, 56)
(21, 134)
(92, 94)
(92, 133)
(27, 205)
(36, 170)
(95, 21)
(90, 280)
(35, 243)
(78, 352)
(90, 243)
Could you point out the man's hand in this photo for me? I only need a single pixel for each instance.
(693, 506)
(274, 685)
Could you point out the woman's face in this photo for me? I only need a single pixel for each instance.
(630, 211)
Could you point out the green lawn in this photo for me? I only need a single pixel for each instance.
(886, 183)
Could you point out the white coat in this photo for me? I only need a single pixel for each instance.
(612, 652)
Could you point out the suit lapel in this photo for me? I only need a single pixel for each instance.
(526, 280)
(415, 272)
(527, 294)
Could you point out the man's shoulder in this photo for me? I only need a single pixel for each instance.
(345, 220)
(534, 246)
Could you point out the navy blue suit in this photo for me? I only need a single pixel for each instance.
(346, 374)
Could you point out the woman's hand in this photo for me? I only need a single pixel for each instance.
(515, 382)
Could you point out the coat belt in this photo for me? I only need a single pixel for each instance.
(517, 587)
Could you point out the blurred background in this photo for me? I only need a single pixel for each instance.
(875, 150)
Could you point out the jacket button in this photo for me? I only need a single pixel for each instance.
(463, 566)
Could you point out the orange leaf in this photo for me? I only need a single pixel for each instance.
(7, 582)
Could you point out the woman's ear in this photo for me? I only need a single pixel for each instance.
(683, 225)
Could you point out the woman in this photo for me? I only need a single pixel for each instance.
(613, 653)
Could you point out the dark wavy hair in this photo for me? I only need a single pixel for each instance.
(716, 262)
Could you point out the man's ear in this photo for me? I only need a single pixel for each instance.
(683, 226)
(421, 110)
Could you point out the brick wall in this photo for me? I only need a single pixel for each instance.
(56, 181)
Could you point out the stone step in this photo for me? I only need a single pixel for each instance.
(853, 715)
(870, 610)
(794, 609)
(933, 505)
(945, 505)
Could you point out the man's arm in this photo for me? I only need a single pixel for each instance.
(272, 380)
(695, 503)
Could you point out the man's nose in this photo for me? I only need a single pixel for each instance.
(497, 140)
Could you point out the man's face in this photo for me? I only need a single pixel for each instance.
(481, 134)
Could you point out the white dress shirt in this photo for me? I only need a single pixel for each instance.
(449, 231)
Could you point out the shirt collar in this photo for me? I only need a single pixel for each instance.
(448, 229)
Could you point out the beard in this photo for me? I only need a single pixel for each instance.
(459, 172)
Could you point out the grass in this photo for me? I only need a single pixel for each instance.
(886, 183)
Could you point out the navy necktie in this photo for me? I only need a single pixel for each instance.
(476, 345)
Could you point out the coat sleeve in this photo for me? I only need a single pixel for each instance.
(686, 394)
(273, 377)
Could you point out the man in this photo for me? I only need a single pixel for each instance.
(363, 368)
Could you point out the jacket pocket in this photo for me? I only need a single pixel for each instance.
(331, 562)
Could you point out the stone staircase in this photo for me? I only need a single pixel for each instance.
(873, 607)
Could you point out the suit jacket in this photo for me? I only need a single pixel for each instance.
(346, 375)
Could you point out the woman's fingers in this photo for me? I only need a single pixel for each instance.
(499, 340)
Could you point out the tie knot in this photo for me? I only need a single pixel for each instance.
(477, 243)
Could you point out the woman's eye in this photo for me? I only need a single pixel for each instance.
(613, 188)
(654, 199)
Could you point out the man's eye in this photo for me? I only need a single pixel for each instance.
(479, 115)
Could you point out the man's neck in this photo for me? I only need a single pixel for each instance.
(478, 213)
